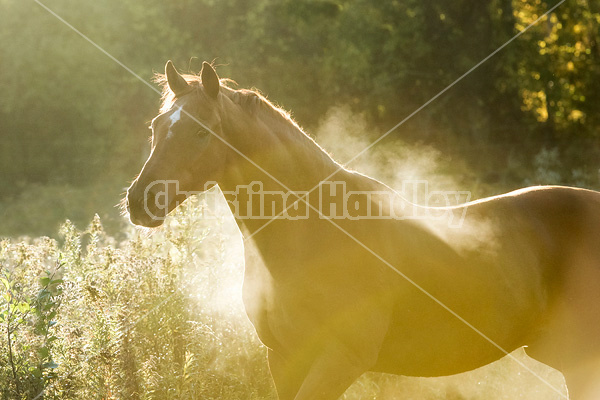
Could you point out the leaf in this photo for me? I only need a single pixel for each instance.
(5, 282)
(43, 352)
(44, 281)
(50, 364)
(23, 307)
(43, 294)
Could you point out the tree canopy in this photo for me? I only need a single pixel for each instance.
(69, 115)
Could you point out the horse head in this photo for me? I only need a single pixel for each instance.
(186, 153)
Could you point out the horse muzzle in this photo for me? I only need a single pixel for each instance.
(149, 205)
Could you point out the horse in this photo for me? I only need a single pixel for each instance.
(333, 294)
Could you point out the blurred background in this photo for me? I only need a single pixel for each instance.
(95, 309)
(73, 122)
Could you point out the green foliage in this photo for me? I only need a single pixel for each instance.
(72, 118)
(554, 84)
(145, 318)
(28, 317)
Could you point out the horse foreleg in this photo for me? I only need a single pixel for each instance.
(287, 376)
(332, 373)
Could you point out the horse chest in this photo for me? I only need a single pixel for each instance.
(280, 314)
(265, 305)
(304, 309)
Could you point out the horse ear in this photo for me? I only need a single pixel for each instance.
(210, 80)
(176, 82)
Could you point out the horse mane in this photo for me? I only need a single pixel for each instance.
(250, 100)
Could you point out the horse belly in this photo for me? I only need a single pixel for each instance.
(434, 345)
(426, 339)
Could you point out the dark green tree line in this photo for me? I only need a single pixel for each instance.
(71, 116)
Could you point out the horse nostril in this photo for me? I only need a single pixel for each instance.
(139, 202)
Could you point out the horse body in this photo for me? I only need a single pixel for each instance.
(513, 280)
(332, 299)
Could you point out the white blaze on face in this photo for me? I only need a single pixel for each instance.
(174, 118)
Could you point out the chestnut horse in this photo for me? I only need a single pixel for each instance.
(333, 296)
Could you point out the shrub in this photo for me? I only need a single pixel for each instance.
(151, 317)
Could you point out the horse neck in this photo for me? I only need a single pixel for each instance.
(276, 153)
(284, 160)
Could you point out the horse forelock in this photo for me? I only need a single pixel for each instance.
(168, 97)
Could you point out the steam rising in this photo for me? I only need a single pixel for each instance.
(413, 171)
(344, 135)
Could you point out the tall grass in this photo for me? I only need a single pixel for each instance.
(157, 316)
